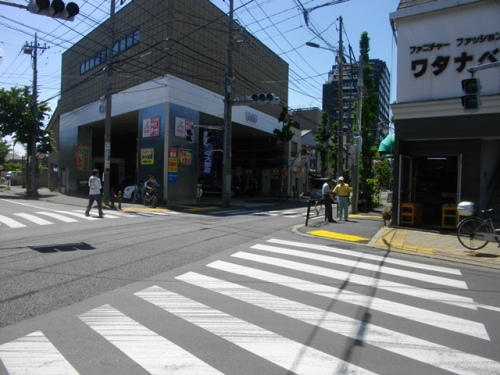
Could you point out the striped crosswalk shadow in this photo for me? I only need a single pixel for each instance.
(293, 282)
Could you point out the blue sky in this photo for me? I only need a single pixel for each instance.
(280, 24)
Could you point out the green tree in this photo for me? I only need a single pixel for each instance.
(283, 135)
(15, 166)
(382, 173)
(369, 116)
(326, 138)
(17, 120)
(4, 151)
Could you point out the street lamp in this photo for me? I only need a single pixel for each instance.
(382, 127)
(315, 45)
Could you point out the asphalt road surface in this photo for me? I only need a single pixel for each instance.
(229, 293)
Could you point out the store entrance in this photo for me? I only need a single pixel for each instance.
(429, 186)
(435, 184)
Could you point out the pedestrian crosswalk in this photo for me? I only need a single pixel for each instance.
(23, 219)
(294, 306)
(291, 214)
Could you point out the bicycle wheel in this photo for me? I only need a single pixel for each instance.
(466, 233)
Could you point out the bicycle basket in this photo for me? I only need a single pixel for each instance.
(465, 208)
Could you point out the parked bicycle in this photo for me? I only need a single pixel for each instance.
(474, 232)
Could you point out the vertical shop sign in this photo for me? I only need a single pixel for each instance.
(173, 164)
(207, 163)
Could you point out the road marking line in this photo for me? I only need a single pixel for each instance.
(58, 217)
(362, 331)
(11, 223)
(78, 214)
(151, 351)
(444, 321)
(34, 354)
(34, 219)
(291, 355)
(391, 286)
(366, 266)
(360, 255)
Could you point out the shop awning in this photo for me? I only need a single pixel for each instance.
(387, 145)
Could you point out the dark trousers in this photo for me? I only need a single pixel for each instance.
(95, 198)
(327, 200)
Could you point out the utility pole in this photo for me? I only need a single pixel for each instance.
(107, 123)
(226, 164)
(340, 153)
(33, 51)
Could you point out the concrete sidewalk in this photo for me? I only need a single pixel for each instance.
(417, 241)
(436, 245)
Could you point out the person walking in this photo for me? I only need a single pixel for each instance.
(95, 187)
(327, 200)
(343, 191)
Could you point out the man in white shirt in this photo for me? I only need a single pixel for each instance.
(327, 200)
(95, 187)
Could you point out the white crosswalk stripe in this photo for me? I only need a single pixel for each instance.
(285, 213)
(22, 220)
(34, 219)
(11, 223)
(273, 347)
(443, 321)
(153, 352)
(44, 359)
(281, 279)
(411, 347)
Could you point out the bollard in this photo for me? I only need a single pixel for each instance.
(119, 200)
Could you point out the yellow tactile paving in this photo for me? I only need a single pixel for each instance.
(337, 236)
(195, 208)
(399, 239)
(144, 209)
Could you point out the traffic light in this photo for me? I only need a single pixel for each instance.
(471, 101)
(208, 137)
(266, 98)
(189, 136)
(54, 9)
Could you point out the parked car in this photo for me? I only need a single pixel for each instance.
(129, 192)
(317, 188)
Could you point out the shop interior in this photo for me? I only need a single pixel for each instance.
(433, 193)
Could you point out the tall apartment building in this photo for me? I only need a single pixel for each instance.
(382, 79)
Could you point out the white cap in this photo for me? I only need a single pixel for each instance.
(341, 178)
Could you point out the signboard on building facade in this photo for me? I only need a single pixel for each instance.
(432, 60)
(151, 127)
(147, 156)
(173, 164)
(82, 158)
(182, 126)
(185, 156)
